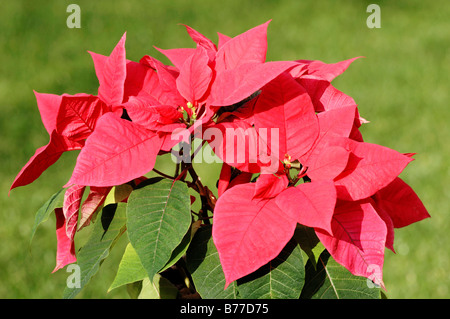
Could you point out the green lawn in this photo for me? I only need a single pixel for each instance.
(401, 86)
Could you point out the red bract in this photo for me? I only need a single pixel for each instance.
(282, 120)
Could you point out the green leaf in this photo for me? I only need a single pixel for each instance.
(307, 239)
(105, 233)
(183, 246)
(203, 263)
(281, 278)
(55, 201)
(134, 289)
(158, 217)
(130, 269)
(332, 281)
(158, 288)
(118, 194)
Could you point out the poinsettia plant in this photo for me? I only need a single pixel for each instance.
(304, 207)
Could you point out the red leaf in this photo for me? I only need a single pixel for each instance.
(117, 152)
(324, 95)
(78, 115)
(241, 178)
(203, 41)
(327, 164)
(327, 71)
(65, 253)
(249, 233)
(224, 179)
(370, 168)
(337, 122)
(43, 158)
(248, 47)
(177, 56)
(164, 118)
(71, 208)
(270, 185)
(167, 76)
(285, 105)
(222, 39)
(358, 239)
(112, 74)
(143, 80)
(389, 226)
(195, 76)
(401, 203)
(48, 105)
(235, 142)
(312, 202)
(92, 203)
(234, 85)
(327, 159)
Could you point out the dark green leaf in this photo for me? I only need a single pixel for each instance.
(134, 289)
(203, 263)
(183, 246)
(282, 278)
(55, 201)
(333, 281)
(130, 269)
(307, 239)
(158, 288)
(96, 249)
(158, 217)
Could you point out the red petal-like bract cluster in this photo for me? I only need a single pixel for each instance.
(322, 173)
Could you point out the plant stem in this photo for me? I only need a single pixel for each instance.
(163, 174)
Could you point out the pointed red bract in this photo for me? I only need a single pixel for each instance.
(327, 71)
(234, 85)
(235, 142)
(65, 252)
(71, 208)
(91, 204)
(195, 76)
(117, 152)
(401, 203)
(249, 233)
(285, 105)
(78, 115)
(161, 118)
(328, 163)
(200, 38)
(177, 56)
(328, 158)
(358, 239)
(222, 39)
(312, 202)
(389, 226)
(43, 158)
(48, 105)
(270, 185)
(111, 75)
(370, 168)
(248, 47)
(224, 179)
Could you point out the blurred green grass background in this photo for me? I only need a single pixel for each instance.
(401, 86)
